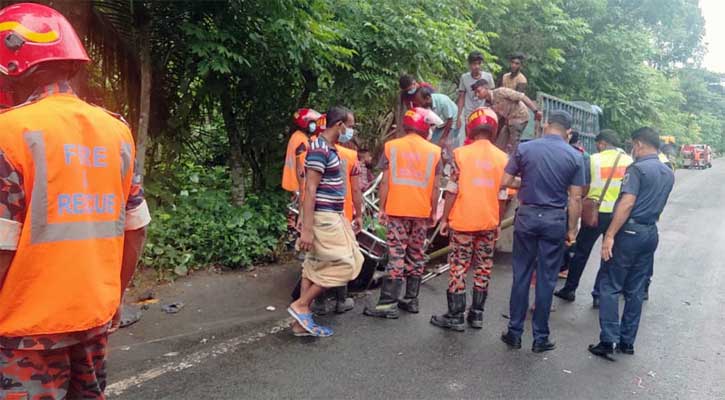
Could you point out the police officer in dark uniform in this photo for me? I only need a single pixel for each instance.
(630, 243)
(552, 180)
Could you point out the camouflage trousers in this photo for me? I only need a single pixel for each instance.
(471, 249)
(406, 239)
(74, 372)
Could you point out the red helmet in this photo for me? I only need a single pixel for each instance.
(482, 116)
(31, 34)
(304, 117)
(321, 123)
(419, 120)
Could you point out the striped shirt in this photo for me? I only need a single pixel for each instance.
(323, 158)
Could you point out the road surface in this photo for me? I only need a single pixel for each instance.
(680, 348)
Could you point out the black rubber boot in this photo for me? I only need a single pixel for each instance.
(410, 302)
(387, 306)
(475, 313)
(343, 303)
(453, 319)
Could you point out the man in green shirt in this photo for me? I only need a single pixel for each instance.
(446, 135)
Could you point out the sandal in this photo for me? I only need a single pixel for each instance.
(306, 321)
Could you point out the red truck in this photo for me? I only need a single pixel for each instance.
(698, 156)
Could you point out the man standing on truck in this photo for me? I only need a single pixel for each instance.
(629, 244)
(409, 198)
(515, 79)
(72, 215)
(467, 100)
(601, 167)
(472, 212)
(552, 179)
(512, 106)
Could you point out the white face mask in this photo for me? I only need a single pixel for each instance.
(347, 135)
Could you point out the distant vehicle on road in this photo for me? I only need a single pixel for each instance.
(698, 156)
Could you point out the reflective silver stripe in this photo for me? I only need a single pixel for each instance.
(407, 181)
(44, 232)
(607, 205)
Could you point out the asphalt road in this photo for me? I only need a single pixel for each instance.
(680, 348)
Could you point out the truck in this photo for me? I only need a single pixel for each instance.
(696, 156)
(585, 119)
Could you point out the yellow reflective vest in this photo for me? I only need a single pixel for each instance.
(601, 165)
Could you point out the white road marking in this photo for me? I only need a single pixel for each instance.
(194, 359)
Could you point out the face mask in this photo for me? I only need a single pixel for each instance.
(411, 91)
(312, 127)
(347, 136)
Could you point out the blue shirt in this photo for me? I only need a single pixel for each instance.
(548, 166)
(651, 181)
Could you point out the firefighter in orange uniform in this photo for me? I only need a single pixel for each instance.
(293, 174)
(409, 197)
(472, 213)
(72, 215)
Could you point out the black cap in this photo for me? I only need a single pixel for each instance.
(609, 136)
(560, 117)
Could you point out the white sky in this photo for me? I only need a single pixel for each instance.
(714, 11)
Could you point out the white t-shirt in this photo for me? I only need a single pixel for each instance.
(471, 101)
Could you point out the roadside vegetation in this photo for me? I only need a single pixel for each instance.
(209, 88)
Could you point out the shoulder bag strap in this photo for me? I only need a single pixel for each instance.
(609, 179)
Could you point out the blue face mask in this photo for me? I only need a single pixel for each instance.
(347, 136)
(312, 127)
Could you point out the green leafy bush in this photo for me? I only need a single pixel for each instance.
(194, 225)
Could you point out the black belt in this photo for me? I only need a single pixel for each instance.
(543, 206)
(635, 222)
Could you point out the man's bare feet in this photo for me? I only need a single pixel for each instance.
(300, 308)
(297, 328)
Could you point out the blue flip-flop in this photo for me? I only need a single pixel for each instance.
(309, 324)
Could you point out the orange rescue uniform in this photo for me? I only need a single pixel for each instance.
(349, 162)
(480, 167)
(296, 151)
(77, 168)
(413, 166)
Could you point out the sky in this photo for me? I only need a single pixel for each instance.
(714, 10)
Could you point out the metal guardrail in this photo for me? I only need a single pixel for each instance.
(585, 119)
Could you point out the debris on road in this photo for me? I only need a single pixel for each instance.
(652, 374)
(270, 308)
(566, 371)
(172, 308)
(172, 354)
(129, 315)
(639, 382)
